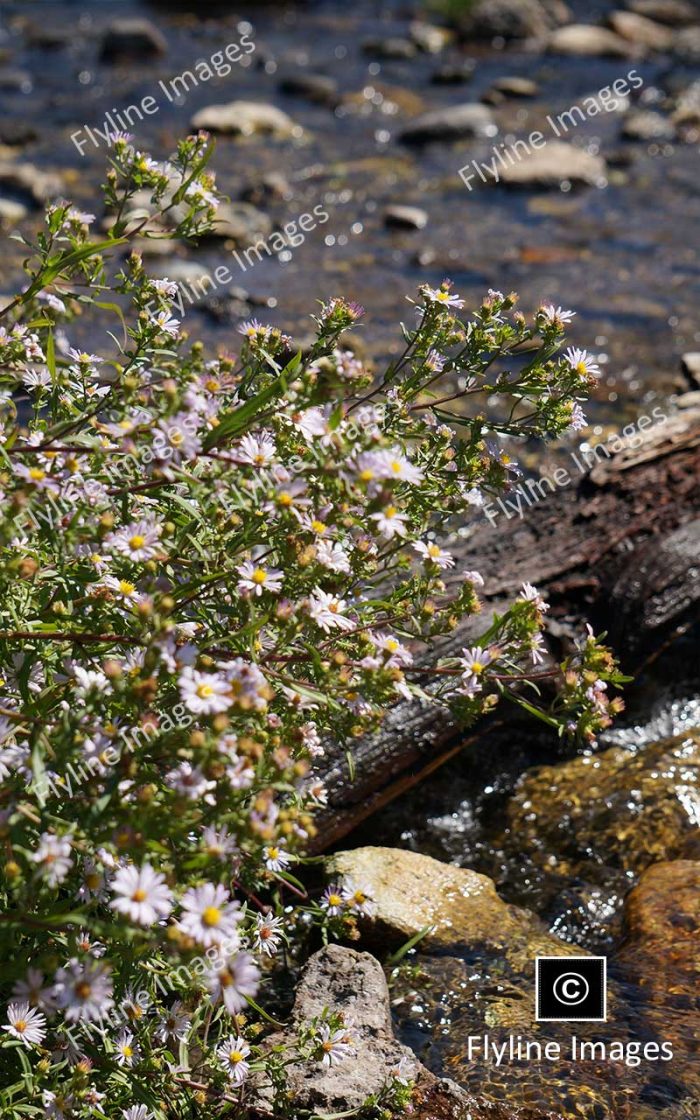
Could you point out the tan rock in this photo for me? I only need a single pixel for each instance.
(554, 164)
(643, 31)
(245, 118)
(587, 40)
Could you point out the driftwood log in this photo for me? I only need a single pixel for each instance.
(619, 548)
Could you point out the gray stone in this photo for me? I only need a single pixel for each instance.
(504, 88)
(33, 185)
(11, 212)
(317, 88)
(553, 165)
(393, 47)
(246, 118)
(585, 40)
(454, 122)
(690, 364)
(687, 44)
(354, 984)
(405, 217)
(132, 39)
(454, 73)
(676, 13)
(428, 38)
(642, 31)
(643, 124)
(508, 19)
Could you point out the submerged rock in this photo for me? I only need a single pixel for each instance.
(511, 19)
(405, 217)
(317, 88)
(677, 13)
(132, 39)
(618, 808)
(28, 184)
(643, 31)
(453, 122)
(241, 222)
(644, 124)
(245, 118)
(586, 40)
(690, 364)
(554, 164)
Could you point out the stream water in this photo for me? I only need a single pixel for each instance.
(620, 253)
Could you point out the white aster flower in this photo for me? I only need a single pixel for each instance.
(433, 554)
(83, 990)
(582, 363)
(358, 897)
(54, 857)
(328, 612)
(256, 578)
(210, 917)
(204, 693)
(234, 981)
(390, 522)
(334, 1046)
(232, 1054)
(25, 1023)
(128, 1052)
(276, 859)
(174, 1023)
(142, 894)
(531, 595)
(138, 540)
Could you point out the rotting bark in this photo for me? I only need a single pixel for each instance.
(619, 549)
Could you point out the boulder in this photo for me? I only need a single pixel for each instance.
(588, 41)
(554, 164)
(619, 808)
(246, 118)
(317, 88)
(353, 984)
(676, 13)
(458, 907)
(240, 222)
(132, 39)
(644, 124)
(453, 122)
(405, 217)
(642, 31)
(510, 19)
(690, 364)
(31, 185)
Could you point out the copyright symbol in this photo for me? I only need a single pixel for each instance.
(570, 989)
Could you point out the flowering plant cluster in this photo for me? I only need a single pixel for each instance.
(210, 566)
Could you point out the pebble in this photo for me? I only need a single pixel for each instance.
(405, 217)
(553, 165)
(245, 118)
(585, 40)
(453, 122)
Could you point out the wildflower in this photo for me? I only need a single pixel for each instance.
(54, 857)
(165, 322)
(393, 464)
(138, 540)
(359, 899)
(83, 990)
(142, 894)
(473, 577)
(474, 662)
(124, 589)
(25, 1023)
(234, 982)
(232, 1054)
(127, 1051)
(175, 1023)
(582, 363)
(255, 578)
(442, 296)
(556, 315)
(531, 595)
(328, 612)
(433, 554)
(217, 842)
(578, 418)
(275, 858)
(258, 450)
(332, 901)
(333, 556)
(390, 523)
(402, 1072)
(210, 917)
(397, 654)
(266, 934)
(137, 1112)
(204, 693)
(31, 990)
(335, 1046)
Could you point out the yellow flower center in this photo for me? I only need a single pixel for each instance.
(442, 296)
(477, 667)
(396, 466)
(318, 527)
(334, 900)
(580, 368)
(367, 475)
(138, 895)
(36, 474)
(211, 916)
(392, 645)
(83, 990)
(204, 691)
(127, 1050)
(359, 897)
(137, 541)
(433, 551)
(272, 853)
(390, 511)
(284, 499)
(177, 438)
(259, 576)
(327, 1046)
(126, 588)
(235, 1057)
(21, 1026)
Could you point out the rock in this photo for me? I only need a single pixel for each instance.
(690, 364)
(272, 186)
(317, 88)
(353, 984)
(687, 44)
(642, 31)
(453, 122)
(11, 212)
(507, 19)
(586, 41)
(241, 222)
(393, 47)
(686, 115)
(676, 13)
(454, 73)
(132, 39)
(644, 124)
(30, 184)
(405, 217)
(618, 808)
(16, 133)
(509, 87)
(246, 118)
(554, 164)
(429, 38)
(17, 81)
(412, 892)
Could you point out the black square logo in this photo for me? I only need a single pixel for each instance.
(571, 989)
